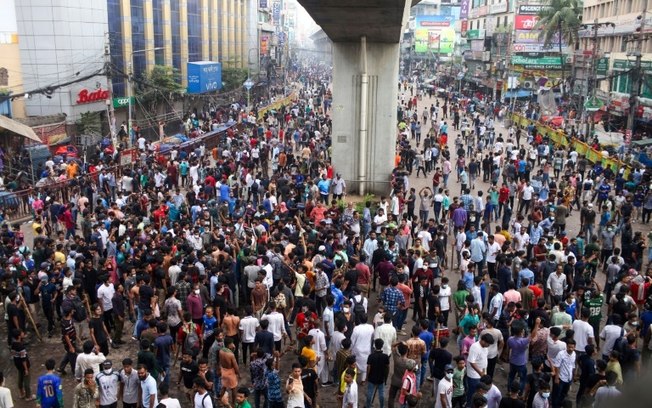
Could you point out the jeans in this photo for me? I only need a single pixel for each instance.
(373, 388)
(399, 319)
(422, 373)
(472, 386)
(559, 392)
(257, 395)
(521, 371)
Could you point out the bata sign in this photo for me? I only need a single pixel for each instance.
(88, 96)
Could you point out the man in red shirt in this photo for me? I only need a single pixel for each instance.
(503, 197)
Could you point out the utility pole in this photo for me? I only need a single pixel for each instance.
(109, 85)
(638, 37)
(592, 82)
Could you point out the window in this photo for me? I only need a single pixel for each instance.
(116, 41)
(176, 34)
(159, 36)
(194, 31)
(138, 43)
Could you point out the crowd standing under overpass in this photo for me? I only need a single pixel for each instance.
(247, 273)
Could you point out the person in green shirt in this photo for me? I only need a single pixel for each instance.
(594, 303)
(459, 300)
(241, 398)
(459, 371)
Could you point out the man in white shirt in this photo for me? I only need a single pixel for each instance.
(583, 331)
(90, 358)
(444, 398)
(387, 333)
(247, 327)
(564, 372)
(557, 283)
(276, 324)
(108, 382)
(361, 341)
(105, 296)
(350, 398)
(425, 237)
(493, 249)
(609, 334)
(477, 362)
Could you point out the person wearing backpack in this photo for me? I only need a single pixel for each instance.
(359, 305)
(202, 397)
(190, 336)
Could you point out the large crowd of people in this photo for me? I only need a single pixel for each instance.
(246, 275)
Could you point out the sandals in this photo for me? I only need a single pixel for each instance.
(32, 398)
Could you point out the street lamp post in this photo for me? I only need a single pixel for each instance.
(130, 90)
(248, 84)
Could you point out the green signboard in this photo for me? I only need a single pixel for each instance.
(602, 67)
(626, 64)
(546, 62)
(475, 34)
(122, 102)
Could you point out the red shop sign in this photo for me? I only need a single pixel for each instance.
(86, 96)
(525, 22)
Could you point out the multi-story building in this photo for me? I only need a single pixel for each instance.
(61, 41)
(145, 33)
(11, 76)
(612, 57)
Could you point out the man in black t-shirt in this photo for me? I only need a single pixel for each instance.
(188, 372)
(377, 371)
(309, 380)
(15, 316)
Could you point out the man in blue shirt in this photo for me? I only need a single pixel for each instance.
(49, 393)
(525, 273)
(324, 186)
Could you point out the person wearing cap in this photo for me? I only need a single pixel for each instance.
(108, 382)
(409, 382)
(444, 394)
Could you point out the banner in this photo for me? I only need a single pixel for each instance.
(530, 9)
(277, 105)
(559, 137)
(435, 34)
(464, 9)
(525, 22)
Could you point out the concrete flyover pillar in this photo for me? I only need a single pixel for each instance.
(382, 66)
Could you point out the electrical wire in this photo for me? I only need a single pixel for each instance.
(49, 90)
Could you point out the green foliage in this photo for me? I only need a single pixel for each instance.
(368, 198)
(157, 86)
(89, 123)
(233, 78)
(563, 17)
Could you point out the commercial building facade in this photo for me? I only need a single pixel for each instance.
(145, 33)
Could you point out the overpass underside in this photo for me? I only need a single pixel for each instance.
(366, 36)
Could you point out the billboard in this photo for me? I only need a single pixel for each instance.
(530, 9)
(522, 22)
(434, 34)
(204, 76)
(535, 37)
(546, 62)
(465, 5)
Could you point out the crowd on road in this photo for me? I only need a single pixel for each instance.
(215, 272)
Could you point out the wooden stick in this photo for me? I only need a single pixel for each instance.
(31, 319)
(437, 335)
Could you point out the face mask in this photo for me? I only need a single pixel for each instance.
(197, 291)
(545, 395)
(346, 310)
(449, 376)
(444, 286)
(17, 298)
(107, 371)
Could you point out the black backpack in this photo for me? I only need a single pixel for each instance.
(358, 309)
(79, 312)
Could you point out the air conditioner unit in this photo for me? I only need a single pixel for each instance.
(528, 84)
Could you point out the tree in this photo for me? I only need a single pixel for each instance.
(157, 87)
(89, 123)
(561, 18)
(233, 78)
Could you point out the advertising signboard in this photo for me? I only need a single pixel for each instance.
(435, 34)
(525, 22)
(538, 47)
(498, 8)
(464, 9)
(537, 63)
(530, 9)
(204, 76)
(276, 12)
